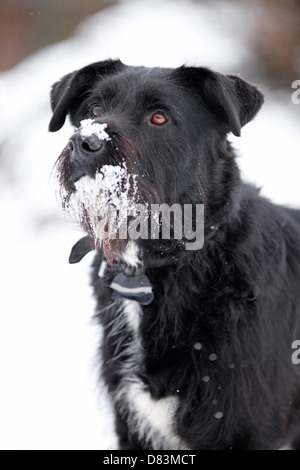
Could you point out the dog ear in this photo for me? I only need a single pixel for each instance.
(72, 88)
(243, 100)
(230, 99)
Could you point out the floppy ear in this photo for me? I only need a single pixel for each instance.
(73, 87)
(229, 98)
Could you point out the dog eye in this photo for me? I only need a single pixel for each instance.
(158, 119)
(96, 109)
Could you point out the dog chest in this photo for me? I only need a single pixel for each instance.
(152, 420)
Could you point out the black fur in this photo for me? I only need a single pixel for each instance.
(238, 296)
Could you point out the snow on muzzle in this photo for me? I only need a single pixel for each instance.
(88, 142)
(112, 192)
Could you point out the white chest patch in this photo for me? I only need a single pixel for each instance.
(150, 419)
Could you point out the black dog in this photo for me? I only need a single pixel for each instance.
(200, 356)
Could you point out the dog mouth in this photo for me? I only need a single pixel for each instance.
(101, 204)
(77, 173)
(112, 185)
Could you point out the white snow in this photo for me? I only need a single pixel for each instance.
(213, 357)
(50, 397)
(89, 127)
(106, 198)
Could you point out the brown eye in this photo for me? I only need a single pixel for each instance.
(158, 119)
(96, 109)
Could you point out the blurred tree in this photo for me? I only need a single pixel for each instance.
(28, 25)
(276, 40)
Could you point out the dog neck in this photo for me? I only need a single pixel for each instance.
(127, 274)
(128, 270)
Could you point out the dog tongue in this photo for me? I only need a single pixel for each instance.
(89, 127)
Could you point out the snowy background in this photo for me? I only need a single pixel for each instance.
(50, 396)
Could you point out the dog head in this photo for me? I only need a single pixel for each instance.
(156, 135)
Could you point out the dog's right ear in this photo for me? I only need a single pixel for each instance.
(232, 101)
(73, 88)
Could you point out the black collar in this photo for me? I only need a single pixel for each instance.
(130, 282)
(159, 257)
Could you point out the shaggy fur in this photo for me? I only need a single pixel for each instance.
(207, 364)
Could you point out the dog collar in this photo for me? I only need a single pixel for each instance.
(151, 260)
(80, 249)
(129, 282)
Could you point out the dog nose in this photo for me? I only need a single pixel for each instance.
(85, 147)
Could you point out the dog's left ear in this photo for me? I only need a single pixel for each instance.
(230, 99)
(73, 88)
